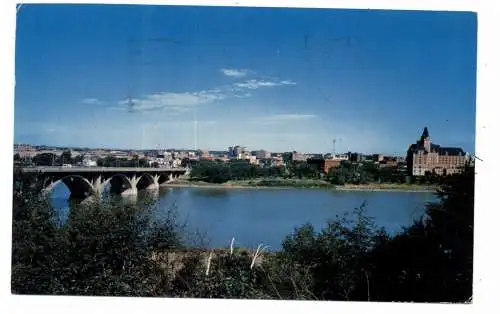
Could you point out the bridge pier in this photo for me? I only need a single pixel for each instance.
(155, 185)
(48, 188)
(133, 189)
(169, 180)
(96, 185)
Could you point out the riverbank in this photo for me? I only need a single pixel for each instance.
(304, 183)
(205, 185)
(387, 187)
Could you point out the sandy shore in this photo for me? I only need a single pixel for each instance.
(367, 187)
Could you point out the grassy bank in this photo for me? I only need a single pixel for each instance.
(305, 183)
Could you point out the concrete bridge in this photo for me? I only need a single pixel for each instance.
(83, 182)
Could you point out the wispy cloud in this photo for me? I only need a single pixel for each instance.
(186, 100)
(235, 72)
(282, 118)
(255, 84)
(175, 101)
(91, 101)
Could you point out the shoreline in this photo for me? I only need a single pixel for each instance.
(388, 189)
(346, 188)
(224, 186)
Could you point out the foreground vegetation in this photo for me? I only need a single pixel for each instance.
(110, 249)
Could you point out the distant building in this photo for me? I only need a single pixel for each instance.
(388, 162)
(315, 156)
(89, 163)
(24, 150)
(298, 157)
(262, 154)
(324, 165)
(378, 157)
(340, 157)
(252, 160)
(176, 163)
(203, 153)
(168, 156)
(400, 159)
(355, 157)
(423, 157)
(236, 151)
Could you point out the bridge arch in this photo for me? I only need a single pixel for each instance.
(78, 186)
(164, 177)
(145, 181)
(118, 183)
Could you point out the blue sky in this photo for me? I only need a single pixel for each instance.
(277, 79)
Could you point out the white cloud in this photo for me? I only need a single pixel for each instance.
(242, 95)
(184, 101)
(255, 84)
(176, 101)
(91, 101)
(281, 118)
(235, 72)
(287, 82)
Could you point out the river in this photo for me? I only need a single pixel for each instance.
(266, 216)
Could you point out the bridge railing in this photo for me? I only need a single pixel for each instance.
(100, 169)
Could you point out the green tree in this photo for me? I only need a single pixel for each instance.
(45, 159)
(287, 157)
(66, 157)
(431, 261)
(78, 159)
(332, 259)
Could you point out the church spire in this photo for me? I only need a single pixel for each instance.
(425, 140)
(425, 134)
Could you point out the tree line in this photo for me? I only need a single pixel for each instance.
(113, 249)
(369, 172)
(51, 159)
(345, 173)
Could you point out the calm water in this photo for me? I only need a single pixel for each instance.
(267, 216)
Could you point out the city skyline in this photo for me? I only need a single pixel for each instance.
(140, 77)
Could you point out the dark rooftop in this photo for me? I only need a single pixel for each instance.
(451, 151)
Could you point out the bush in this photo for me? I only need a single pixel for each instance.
(228, 276)
(333, 258)
(103, 249)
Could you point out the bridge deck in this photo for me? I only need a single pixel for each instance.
(101, 169)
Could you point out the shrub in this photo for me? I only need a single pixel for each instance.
(103, 249)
